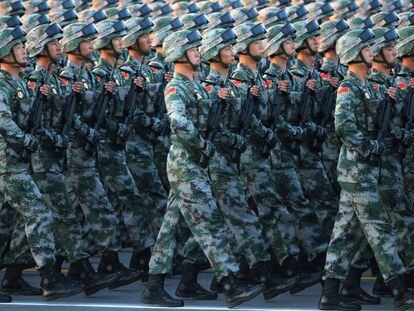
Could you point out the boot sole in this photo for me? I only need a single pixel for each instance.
(123, 283)
(336, 307)
(239, 301)
(302, 287)
(383, 294)
(150, 302)
(63, 295)
(20, 293)
(279, 291)
(363, 302)
(190, 296)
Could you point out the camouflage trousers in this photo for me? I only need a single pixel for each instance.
(97, 216)
(318, 190)
(398, 207)
(65, 225)
(193, 200)
(330, 155)
(125, 198)
(229, 192)
(161, 147)
(141, 163)
(276, 221)
(34, 219)
(7, 225)
(361, 209)
(408, 164)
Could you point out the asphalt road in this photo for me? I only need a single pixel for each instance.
(127, 298)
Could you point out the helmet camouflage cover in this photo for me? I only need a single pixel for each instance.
(107, 30)
(405, 45)
(136, 28)
(177, 43)
(248, 33)
(330, 32)
(10, 37)
(215, 40)
(384, 37)
(164, 26)
(38, 37)
(351, 44)
(75, 34)
(276, 35)
(305, 30)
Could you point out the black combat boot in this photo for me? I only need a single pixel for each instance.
(55, 285)
(58, 263)
(307, 277)
(82, 271)
(13, 283)
(353, 291)
(154, 293)
(380, 288)
(237, 292)
(216, 286)
(190, 288)
(403, 297)
(332, 300)
(5, 298)
(409, 279)
(110, 264)
(273, 285)
(140, 261)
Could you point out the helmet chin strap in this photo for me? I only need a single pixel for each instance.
(362, 61)
(19, 64)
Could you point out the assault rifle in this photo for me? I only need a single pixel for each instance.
(407, 115)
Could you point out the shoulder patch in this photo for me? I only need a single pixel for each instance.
(343, 90)
(170, 91)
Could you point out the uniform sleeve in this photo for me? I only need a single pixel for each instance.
(345, 122)
(8, 128)
(181, 126)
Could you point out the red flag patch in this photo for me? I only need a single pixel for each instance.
(267, 83)
(208, 88)
(237, 82)
(325, 75)
(64, 80)
(32, 85)
(153, 69)
(170, 90)
(125, 75)
(343, 90)
(376, 86)
(402, 85)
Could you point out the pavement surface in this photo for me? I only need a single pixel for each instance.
(128, 298)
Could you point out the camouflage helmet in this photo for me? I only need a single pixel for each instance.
(248, 33)
(108, 30)
(361, 23)
(9, 37)
(384, 37)
(159, 9)
(302, 2)
(405, 46)
(406, 19)
(92, 16)
(181, 8)
(215, 40)
(273, 16)
(345, 9)
(276, 35)
(208, 7)
(259, 4)
(62, 5)
(408, 4)
(395, 5)
(350, 45)
(330, 32)
(193, 21)
(136, 28)
(177, 43)
(100, 4)
(220, 20)
(32, 20)
(281, 4)
(297, 13)
(64, 17)
(242, 15)
(305, 30)
(38, 37)
(82, 5)
(37, 6)
(12, 7)
(163, 26)
(384, 19)
(9, 21)
(140, 10)
(120, 15)
(370, 7)
(76, 33)
(319, 10)
(230, 5)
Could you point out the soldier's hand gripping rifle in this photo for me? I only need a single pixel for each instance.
(279, 100)
(214, 117)
(101, 107)
(307, 99)
(71, 102)
(35, 120)
(131, 99)
(246, 114)
(325, 114)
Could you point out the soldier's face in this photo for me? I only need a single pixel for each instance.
(227, 55)
(367, 54)
(313, 43)
(145, 43)
(117, 44)
(256, 48)
(289, 47)
(389, 53)
(19, 51)
(55, 50)
(86, 48)
(194, 56)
